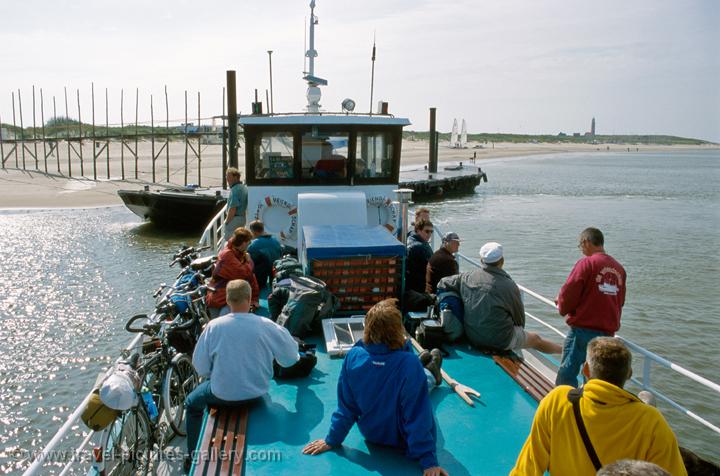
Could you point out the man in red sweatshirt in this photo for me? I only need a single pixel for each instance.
(592, 299)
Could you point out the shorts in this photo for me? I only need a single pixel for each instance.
(518, 340)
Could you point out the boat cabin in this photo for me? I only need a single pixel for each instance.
(331, 154)
(325, 150)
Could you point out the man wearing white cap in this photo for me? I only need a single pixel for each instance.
(494, 311)
(442, 263)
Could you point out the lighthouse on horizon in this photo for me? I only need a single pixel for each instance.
(592, 127)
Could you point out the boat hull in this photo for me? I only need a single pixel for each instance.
(173, 208)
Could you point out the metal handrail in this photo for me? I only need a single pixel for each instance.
(649, 357)
(213, 234)
(41, 458)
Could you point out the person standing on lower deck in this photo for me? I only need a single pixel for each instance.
(236, 204)
(592, 299)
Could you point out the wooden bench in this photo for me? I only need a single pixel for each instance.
(221, 447)
(529, 378)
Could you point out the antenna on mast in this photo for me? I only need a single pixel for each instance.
(372, 75)
(313, 91)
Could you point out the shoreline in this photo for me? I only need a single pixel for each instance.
(33, 190)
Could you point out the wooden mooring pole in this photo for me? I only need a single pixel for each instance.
(433, 159)
(232, 120)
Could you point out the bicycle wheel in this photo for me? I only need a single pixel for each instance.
(180, 379)
(127, 445)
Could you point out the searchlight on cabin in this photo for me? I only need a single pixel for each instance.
(348, 105)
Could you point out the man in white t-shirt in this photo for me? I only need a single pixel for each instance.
(235, 354)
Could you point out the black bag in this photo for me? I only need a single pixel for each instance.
(430, 334)
(302, 367)
(414, 301)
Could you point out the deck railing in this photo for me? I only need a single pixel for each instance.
(48, 452)
(649, 358)
(213, 234)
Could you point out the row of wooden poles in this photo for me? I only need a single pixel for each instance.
(28, 143)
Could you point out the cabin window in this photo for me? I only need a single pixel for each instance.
(374, 154)
(325, 154)
(274, 155)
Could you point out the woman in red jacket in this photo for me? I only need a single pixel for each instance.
(233, 263)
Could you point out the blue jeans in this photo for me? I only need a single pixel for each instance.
(195, 405)
(574, 353)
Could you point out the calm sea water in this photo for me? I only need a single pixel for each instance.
(72, 277)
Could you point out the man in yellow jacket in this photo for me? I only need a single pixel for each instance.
(617, 423)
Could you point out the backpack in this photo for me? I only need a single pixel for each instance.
(285, 267)
(277, 300)
(309, 302)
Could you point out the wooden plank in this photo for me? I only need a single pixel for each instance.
(532, 382)
(223, 442)
(216, 444)
(209, 428)
(229, 443)
(239, 454)
(541, 383)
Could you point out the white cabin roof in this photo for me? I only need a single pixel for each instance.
(321, 120)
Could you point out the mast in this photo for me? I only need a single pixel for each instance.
(313, 91)
(372, 76)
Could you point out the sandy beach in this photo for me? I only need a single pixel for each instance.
(32, 188)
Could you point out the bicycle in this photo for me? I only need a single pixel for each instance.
(168, 376)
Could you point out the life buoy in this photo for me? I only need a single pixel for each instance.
(288, 232)
(386, 211)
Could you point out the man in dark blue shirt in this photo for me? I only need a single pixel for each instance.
(264, 250)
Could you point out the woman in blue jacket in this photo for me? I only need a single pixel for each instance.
(379, 369)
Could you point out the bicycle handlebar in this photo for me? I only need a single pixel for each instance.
(139, 330)
(185, 252)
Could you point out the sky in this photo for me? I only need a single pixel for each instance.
(513, 66)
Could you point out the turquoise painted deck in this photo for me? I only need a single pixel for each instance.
(482, 440)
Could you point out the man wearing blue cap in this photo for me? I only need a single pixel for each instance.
(494, 312)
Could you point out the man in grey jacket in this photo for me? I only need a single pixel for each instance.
(494, 312)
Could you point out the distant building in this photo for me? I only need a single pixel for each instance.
(592, 127)
(576, 134)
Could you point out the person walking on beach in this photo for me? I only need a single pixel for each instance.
(235, 352)
(237, 202)
(384, 388)
(617, 424)
(494, 314)
(592, 299)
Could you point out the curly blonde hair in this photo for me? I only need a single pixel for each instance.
(383, 325)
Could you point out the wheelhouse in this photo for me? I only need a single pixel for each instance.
(327, 150)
